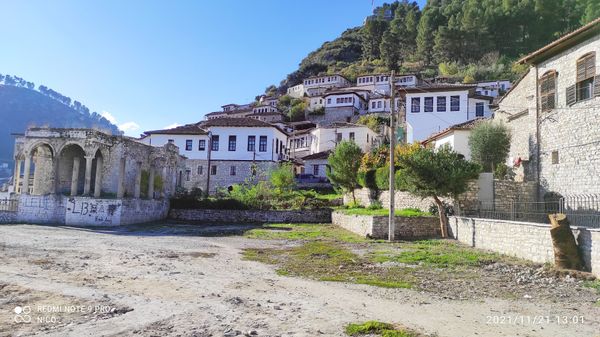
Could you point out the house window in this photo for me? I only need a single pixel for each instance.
(188, 144)
(202, 145)
(214, 143)
(379, 105)
(373, 105)
(352, 136)
(329, 101)
(213, 170)
(276, 145)
(251, 143)
(479, 109)
(367, 137)
(415, 104)
(548, 90)
(586, 70)
(232, 171)
(232, 143)
(454, 103)
(554, 157)
(200, 169)
(188, 173)
(441, 104)
(316, 170)
(428, 104)
(262, 144)
(338, 137)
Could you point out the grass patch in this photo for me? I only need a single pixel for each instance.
(437, 253)
(378, 328)
(594, 285)
(308, 232)
(407, 212)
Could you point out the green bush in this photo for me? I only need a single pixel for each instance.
(382, 178)
(375, 205)
(367, 179)
(282, 178)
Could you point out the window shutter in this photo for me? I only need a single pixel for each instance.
(544, 103)
(571, 97)
(581, 70)
(590, 66)
(597, 86)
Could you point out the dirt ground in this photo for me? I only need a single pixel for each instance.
(181, 280)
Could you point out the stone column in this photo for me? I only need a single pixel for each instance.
(98, 179)
(26, 174)
(88, 175)
(151, 184)
(75, 176)
(138, 181)
(164, 177)
(17, 177)
(55, 176)
(121, 181)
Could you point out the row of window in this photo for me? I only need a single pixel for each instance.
(582, 89)
(415, 105)
(378, 104)
(369, 79)
(251, 147)
(350, 137)
(321, 80)
(213, 171)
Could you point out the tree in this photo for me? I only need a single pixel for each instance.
(372, 34)
(282, 178)
(436, 174)
(489, 143)
(343, 166)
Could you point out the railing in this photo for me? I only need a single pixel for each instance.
(9, 205)
(581, 210)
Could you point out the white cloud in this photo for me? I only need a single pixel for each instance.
(109, 117)
(129, 126)
(171, 126)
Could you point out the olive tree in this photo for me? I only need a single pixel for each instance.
(490, 144)
(436, 174)
(343, 166)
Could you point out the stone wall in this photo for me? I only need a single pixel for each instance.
(84, 211)
(526, 240)
(366, 197)
(252, 216)
(406, 228)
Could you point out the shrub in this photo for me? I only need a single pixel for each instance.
(382, 178)
(282, 178)
(375, 205)
(367, 179)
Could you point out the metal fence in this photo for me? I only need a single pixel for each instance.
(581, 210)
(9, 205)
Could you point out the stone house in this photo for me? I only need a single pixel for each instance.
(553, 112)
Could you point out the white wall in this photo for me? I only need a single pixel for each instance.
(458, 140)
(296, 91)
(324, 139)
(331, 101)
(309, 167)
(180, 141)
(380, 105)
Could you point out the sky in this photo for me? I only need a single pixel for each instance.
(149, 65)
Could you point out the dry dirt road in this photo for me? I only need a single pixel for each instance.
(187, 281)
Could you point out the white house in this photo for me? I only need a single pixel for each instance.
(493, 88)
(326, 138)
(223, 151)
(456, 136)
(346, 99)
(379, 103)
(326, 81)
(316, 102)
(296, 91)
(433, 108)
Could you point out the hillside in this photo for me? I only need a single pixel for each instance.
(21, 107)
(464, 39)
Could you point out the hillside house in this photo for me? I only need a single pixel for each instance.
(435, 107)
(456, 136)
(296, 91)
(493, 88)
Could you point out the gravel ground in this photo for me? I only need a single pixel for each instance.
(191, 281)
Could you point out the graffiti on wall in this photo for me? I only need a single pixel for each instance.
(88, 211)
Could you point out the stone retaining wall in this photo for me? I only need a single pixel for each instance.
(376, 227)
(527, 240)
(252, 216)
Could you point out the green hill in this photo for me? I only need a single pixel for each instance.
(21, 107)
(464, 39)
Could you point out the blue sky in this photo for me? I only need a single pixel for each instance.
(150, 64)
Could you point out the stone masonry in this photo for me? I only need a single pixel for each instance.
(406, 228)
(252, 216)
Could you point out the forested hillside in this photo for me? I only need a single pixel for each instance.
(467, 39)
(22, 106)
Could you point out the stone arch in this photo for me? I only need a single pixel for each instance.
(97, 173)
(71, 174)
(43, 163)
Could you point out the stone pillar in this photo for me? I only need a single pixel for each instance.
(55, 176)
(17, 177)
(121, 181)
(98, 179)
(151, 184)
(138, 181)
(88, 175)
(26, 173)
(165, 180)
(75, 176)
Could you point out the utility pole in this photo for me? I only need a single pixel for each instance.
(208, 169)
(392, 224)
